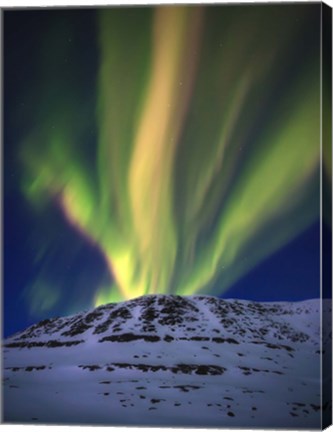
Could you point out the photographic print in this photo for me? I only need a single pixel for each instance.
(167, 189)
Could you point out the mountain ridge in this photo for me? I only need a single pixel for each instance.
(170, 360)
(174, 310)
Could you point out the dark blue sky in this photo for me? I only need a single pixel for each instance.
(290, 274)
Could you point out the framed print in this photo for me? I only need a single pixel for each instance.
(167, 210)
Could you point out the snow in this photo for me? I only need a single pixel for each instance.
(195, 361)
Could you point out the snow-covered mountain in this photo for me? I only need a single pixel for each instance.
(169, 361)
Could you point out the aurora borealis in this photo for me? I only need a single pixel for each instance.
(181, 143)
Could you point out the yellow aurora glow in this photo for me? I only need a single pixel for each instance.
(192, 172)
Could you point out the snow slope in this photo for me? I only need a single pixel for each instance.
(160, 360)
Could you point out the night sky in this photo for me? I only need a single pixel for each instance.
(159, 150)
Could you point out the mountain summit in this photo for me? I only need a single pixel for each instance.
(168, 360)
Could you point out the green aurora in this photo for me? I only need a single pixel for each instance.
(207, 154)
